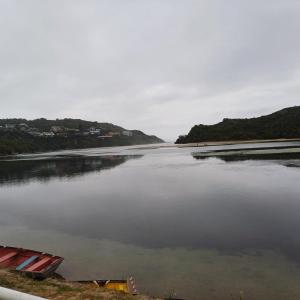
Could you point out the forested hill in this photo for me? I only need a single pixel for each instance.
(45, 125)
(24, 136)
(281, 124)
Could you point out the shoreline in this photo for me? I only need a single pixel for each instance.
(154, 146)
(221, 143)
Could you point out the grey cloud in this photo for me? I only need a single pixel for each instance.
(159, 66)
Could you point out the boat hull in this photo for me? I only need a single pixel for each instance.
(35, 264)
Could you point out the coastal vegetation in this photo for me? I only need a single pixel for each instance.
(283, 124)
(23, 136)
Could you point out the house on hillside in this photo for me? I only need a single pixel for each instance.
(23, 127)
(34, 132)
(10, 126)
(57, 129)
(127, 132)
(103, 137)
(62, 134)
(47, 134)
(94, 131)
(114, 133)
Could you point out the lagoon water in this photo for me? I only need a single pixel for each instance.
(194, 228)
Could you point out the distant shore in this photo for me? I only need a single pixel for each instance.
(220, 143)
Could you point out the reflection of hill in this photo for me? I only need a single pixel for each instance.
(280, 153)
(21, 171)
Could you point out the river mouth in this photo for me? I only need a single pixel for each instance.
(200, 228)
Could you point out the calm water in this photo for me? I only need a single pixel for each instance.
(200, 228)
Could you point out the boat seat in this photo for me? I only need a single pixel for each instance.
(38, 264)
(8, 256)
(26, 262)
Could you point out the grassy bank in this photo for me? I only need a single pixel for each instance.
(58, 289)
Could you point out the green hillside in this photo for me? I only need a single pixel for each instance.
(281, 124)
(25, 136)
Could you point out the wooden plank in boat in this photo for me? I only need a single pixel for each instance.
(8, 256)
(38, 264)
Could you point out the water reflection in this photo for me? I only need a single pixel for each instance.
(192, 205)
(166, 216)
(288, 156)
(18, 171)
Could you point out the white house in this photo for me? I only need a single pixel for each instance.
(47, 134)
(127, 132)
(94, 131)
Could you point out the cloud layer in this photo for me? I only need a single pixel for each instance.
(159, 66)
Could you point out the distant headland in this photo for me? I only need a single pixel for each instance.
(283, 124)
(39, 135)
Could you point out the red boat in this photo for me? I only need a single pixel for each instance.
(35, 264)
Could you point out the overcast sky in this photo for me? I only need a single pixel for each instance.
(156, 65)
